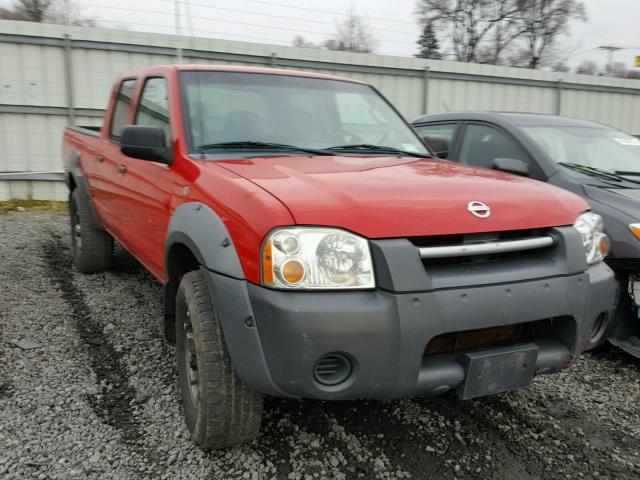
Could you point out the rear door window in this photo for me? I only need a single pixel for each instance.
(153, 107)
(439, 137)
(121, 108)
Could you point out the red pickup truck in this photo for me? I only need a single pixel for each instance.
(310, 246)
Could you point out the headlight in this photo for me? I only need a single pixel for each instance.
(595, 241)
(316, 258)
(635, 229)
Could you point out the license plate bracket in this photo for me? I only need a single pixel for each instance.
(497, 370)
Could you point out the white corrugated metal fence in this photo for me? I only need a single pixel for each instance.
(51, 75)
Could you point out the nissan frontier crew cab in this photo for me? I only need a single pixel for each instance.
(310, 246)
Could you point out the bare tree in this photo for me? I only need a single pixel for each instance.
(300, 41)
(542, 22)
(8, 14)
(68, 12)
(65, 12)
(560, 66)
(588, 67)
(469, 23)
(353, 34)
(28, 10)
(617, 69)
(501, 36)
(519, 32)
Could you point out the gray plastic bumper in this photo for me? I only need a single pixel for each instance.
(275, 338)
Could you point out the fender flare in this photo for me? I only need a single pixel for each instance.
(75, 176)
(203, 232)
(199, 228)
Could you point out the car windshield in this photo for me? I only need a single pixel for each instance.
(242, 111)
(596, 148)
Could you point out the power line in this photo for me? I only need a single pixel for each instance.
(117, 23)
(218, 34)
(333, 12)
(308, 9)
(208, 19)
(285, 17)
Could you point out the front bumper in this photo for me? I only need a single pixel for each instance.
(275, 337)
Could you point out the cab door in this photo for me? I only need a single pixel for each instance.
(481, 144)
(106, 187)
(148, 185)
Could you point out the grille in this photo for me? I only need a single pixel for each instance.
(440, 240)
(469, 340)
(482, 248)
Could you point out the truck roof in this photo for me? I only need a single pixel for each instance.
(235, 69)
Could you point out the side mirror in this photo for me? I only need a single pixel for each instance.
(511, 165)
(146, 143)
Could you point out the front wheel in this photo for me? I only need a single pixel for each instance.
(220, 411)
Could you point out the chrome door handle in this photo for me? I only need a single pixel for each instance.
(100, 158)
(122, 168)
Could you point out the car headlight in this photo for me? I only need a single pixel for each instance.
(596, 243)
(316, 258)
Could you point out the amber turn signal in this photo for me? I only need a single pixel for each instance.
(604, 245)
(635, 229)
(267, 264)
(292, 271)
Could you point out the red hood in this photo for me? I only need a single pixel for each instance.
(402, 197)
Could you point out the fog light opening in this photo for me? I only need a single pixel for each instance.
(332, 369)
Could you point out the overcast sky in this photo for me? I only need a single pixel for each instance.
(278, 21)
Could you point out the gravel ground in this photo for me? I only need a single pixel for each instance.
(97, 397)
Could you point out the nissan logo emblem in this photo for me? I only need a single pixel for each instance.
(479, 209)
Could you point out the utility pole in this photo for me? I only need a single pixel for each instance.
(611, 49)
(178, 30)
(187, 8)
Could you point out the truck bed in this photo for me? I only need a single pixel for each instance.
(79, 142)
(85, 129)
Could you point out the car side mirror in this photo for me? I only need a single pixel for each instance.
(146, 143)
(511, 165)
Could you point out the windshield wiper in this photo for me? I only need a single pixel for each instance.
(616, 176)
(379, 148)
(627, 172)
(592, 170)
(260, 146)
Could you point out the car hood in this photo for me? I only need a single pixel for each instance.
(625, 200)
(382, 197)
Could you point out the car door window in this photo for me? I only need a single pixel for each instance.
(439, 137)
(121, 108)
(482, 144)
(153, 107)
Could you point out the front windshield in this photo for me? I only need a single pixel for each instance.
(599, 148)
(224, 107)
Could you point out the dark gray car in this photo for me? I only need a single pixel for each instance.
(595, 161)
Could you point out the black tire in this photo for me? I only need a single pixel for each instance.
(220, 411)
(92, 249)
